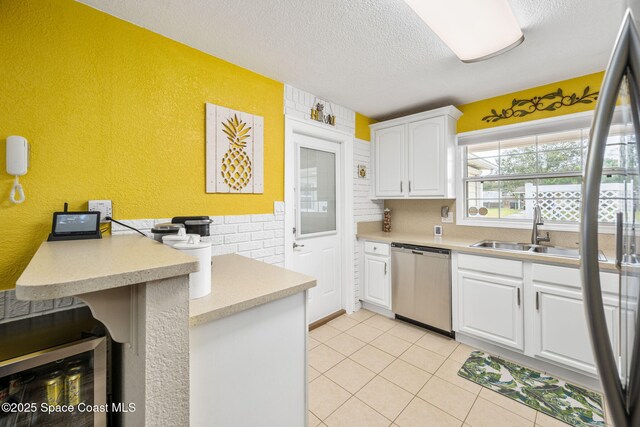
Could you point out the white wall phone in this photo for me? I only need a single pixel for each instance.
(17, 164)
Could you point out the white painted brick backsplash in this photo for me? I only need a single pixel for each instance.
(270, 243)
(254, 226)
(249, 246)
(217, 220)
(214, 240)
(263, 235)
(224, 249)
(364, 209)
(237, 237)
(274, 225)
(263, 218)
(235, 219)
(257, 236)
(223, 229)
(261, 253)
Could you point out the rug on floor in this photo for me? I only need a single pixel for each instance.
(568, 403)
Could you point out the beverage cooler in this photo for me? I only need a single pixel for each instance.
(63, 385)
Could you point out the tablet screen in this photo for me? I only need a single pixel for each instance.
(76, 223)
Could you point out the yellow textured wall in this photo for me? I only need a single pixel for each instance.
(475, 111)
(113, 111)
(362, 127)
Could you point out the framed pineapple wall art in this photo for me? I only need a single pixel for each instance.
(234, 150)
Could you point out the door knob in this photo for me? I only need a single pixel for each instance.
(295, 245)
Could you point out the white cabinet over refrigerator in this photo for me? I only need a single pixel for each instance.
(414, 156)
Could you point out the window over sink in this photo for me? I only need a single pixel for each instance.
(506, 175)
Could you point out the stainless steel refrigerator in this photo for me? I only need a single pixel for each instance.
(616, 114)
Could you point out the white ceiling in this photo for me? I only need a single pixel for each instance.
(376, 56)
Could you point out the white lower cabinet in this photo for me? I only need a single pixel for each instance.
(560, 330)
(490, 307)
(537, 310)
(377, 274)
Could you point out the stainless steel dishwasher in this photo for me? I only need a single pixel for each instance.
(421, 285)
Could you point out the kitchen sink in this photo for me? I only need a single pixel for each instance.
(538, 249)
(551, 250)
(507, 246)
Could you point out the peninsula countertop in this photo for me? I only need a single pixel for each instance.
(463, 245)
(74, 267)
(240, 283)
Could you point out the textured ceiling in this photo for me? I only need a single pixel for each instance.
(376, 56)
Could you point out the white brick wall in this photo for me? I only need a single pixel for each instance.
(364, 209)
(257, 236)
(298, 103)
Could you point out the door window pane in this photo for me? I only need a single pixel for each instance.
(317, 191)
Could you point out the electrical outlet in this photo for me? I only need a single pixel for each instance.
(102, 206)
(448, 219)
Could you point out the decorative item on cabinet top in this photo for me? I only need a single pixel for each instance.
(549, 102)
(234, 151)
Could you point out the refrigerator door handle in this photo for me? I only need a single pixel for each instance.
(604, 356)
(619, 238)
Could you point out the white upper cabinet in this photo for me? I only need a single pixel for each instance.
(427, 158)
(389, 155)
(415, 155)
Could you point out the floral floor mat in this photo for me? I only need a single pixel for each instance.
(568, 403)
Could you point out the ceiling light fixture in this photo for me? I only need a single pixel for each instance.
(474, 30)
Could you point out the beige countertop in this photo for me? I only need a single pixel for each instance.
(462, 245)
(73, 267)
(239, 283)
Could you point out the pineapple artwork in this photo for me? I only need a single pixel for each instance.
(234, 151)
(236, 164)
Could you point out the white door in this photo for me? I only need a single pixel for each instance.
(318, 228)
(377, 283)
(389, 158)
(427, 157)
(491, 308)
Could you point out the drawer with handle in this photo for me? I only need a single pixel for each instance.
(376, 248)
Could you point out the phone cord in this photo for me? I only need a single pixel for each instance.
(16, 188)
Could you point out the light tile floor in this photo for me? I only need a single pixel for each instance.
(367, 370)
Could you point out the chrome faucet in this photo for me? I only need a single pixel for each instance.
(537, 220)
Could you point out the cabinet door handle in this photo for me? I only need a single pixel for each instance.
(409, 186)
(385, 268)
(537, 300)
(401, 186)
(518, 297)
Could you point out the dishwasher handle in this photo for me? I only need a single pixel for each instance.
(420, 250)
